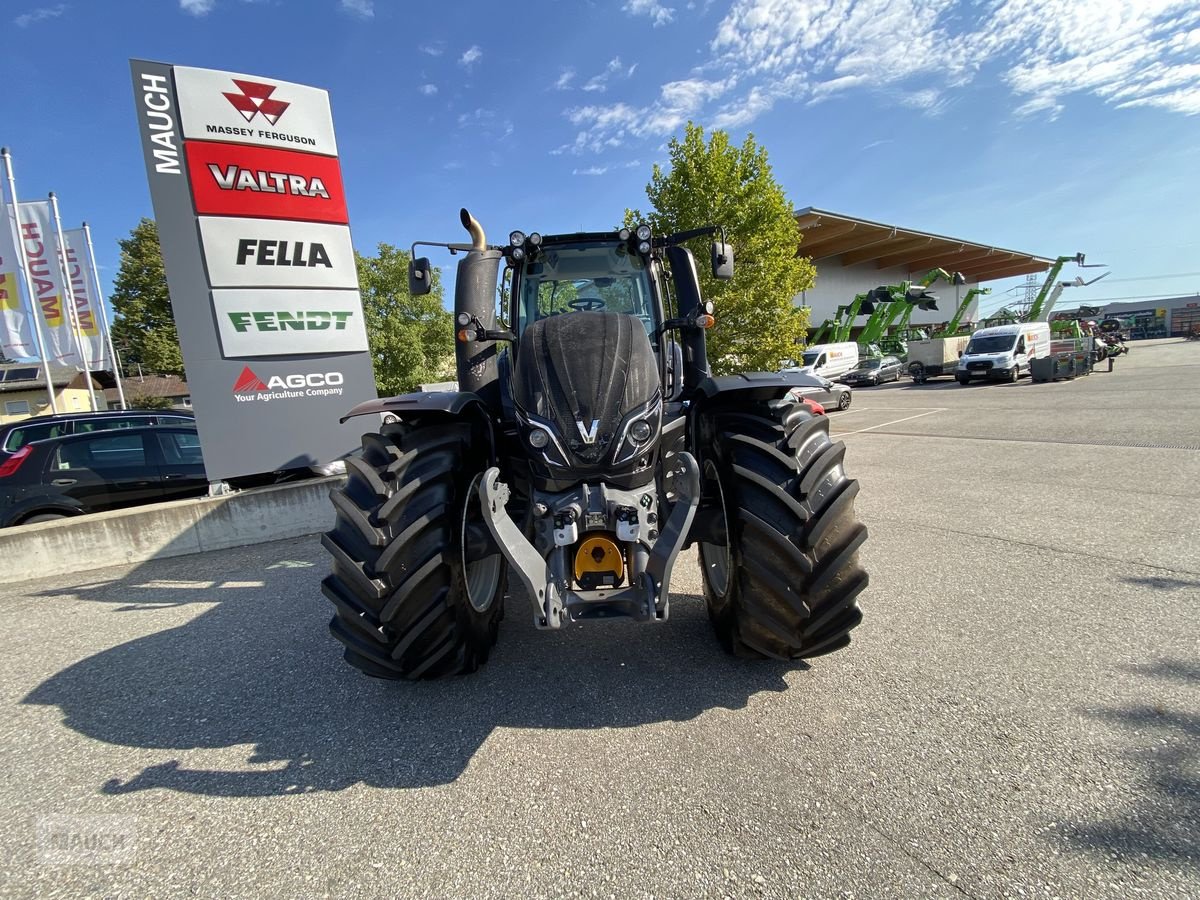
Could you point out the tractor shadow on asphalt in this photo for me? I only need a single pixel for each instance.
(1162, 825)
(260, 669)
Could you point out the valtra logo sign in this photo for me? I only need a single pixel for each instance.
(249, 388)
(261, 182)
(255, 99)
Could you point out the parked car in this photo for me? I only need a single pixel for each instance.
(825, 392)
(874, 371)
(16, 435)
(83, 473)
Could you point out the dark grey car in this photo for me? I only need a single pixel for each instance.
(874, 371)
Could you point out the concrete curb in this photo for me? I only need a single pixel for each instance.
(166, 529)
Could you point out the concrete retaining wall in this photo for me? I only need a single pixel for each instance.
(165, 529)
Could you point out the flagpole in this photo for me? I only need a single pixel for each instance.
(34, 308)
(69, 292)
(112, 351)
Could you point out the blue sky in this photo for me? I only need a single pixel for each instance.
(1049, 127)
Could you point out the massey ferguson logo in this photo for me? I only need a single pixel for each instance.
(255, 98)
(249, 387)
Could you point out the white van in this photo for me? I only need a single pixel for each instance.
(828, 360)
(1003, 352)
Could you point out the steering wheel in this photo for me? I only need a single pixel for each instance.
(586, 304)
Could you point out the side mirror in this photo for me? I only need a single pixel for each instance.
(722, 261)
(420, 280)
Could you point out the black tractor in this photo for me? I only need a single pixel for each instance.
(587, 445)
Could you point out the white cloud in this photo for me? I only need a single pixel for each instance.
(428, 89)
(564, 79)
(614, 69)
(610, 126)
(37, 15)
(435, 49)
(659, 14)
(197, 7)
(920, 54)
(363, 9)
(471, 56)
(590, 170)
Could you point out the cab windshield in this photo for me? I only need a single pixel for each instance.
(811, 357)
(586, 277)
(993, 343)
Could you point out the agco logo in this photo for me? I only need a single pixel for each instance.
(255, 98)
(315, 384)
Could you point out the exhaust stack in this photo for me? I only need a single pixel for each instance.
(475, 295)
(478, 238)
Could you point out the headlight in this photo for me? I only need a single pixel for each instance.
(535, 240)
(640, 431)
(644, 247)
(516, 238)
(538, 438)
(643, 232)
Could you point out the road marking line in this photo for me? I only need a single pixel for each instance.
(842, 434)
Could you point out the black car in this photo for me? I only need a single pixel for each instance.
(101, 470)
(874, 371)
(16, 435)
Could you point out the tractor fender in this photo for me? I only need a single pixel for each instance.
(454, 403)
(751, 386)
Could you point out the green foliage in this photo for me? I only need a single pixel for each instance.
(714, 183)
(147, 401)
(411, 338)
(143, 325)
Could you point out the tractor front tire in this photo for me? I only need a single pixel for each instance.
(786, 581)
(417, 593)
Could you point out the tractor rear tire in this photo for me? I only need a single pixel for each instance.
(417, 593)
(786, 581)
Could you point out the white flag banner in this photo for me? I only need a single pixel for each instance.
(88, 307)
(16, 324)
(37, 234)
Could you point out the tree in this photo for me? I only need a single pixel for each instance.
(715, 183)
(411, 338)
(148, 401)
(143, 324)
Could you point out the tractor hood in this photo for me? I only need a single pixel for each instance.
(587, 378)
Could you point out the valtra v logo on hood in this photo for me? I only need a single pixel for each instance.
(255, 98)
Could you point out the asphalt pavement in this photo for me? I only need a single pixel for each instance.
(1018, 715)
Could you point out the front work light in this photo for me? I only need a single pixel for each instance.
(516, 238)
